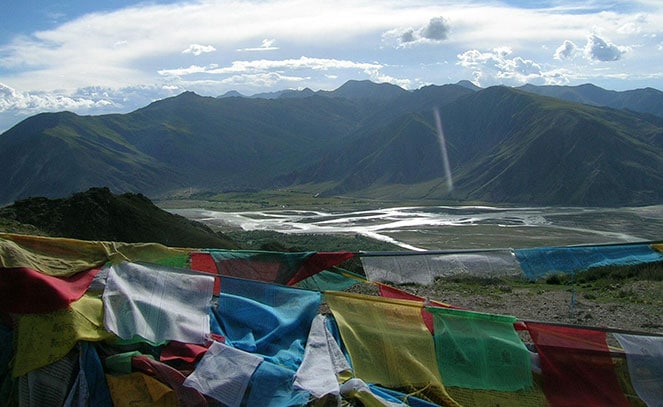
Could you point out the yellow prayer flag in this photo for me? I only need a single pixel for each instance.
(388, 342)
(45, 338)
(52, 256)
(63, 257)
(138, 390)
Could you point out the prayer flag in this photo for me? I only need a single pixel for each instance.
(480, 351)
(139, 389)
(224, 373)
(64, 257)
(576, 366)
(267, 319)
(644, 355)
(44, 338)
(49, 385)
(540, 261)
(388, 343)
(335, 279)
(187, 396)
(52, 256)
(26, 291)
(392, 292)
(424, 268)
(90, 387)
(285, 268)
(323, 362)
(157, 303)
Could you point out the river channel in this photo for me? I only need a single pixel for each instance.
(455, 227)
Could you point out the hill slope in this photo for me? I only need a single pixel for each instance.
(97, 214)
(504, 145)
(647, 100)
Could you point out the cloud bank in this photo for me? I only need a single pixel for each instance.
(117, 59)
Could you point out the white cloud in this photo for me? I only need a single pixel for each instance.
(197, 49)
(436, 30)
(262, 80)
(598, 49)
(498, 66)
(30, 103)
(190, 70)
(266, 45)
(238, 67)
(568, 50)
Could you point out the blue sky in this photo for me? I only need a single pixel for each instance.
(95, 57)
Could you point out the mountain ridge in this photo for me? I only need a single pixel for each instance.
(358, 139)
(97, 214)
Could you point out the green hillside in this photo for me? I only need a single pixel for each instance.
(505, 146)
(97, 214)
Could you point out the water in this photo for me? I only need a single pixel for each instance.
(457, 227)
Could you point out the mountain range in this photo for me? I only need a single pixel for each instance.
(534, 145)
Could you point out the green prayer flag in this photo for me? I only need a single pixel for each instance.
(480, 351)
(330, 280)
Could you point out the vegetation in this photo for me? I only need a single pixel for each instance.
(619, 283)
(505, 146)
(97, 214)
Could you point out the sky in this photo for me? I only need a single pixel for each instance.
(98, 57)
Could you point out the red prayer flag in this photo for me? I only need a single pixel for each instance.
(184, 354)
(272, 267)
(318, 262)
(205, 263)
(576, 366)
(27, 291)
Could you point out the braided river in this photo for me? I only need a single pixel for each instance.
(455, 227)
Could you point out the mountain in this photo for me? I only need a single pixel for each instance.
(647, 100)
(231, 94)
(469, 85)
(366, 90)
(97, 214)
(504, 145)
(185, 142)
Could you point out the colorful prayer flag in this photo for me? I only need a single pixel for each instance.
(480, 351)
(576, 366)
(388, 342)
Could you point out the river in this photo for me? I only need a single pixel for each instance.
(455, 227)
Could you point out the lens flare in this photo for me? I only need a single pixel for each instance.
(443, 150)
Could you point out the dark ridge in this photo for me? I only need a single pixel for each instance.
(98, 214)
